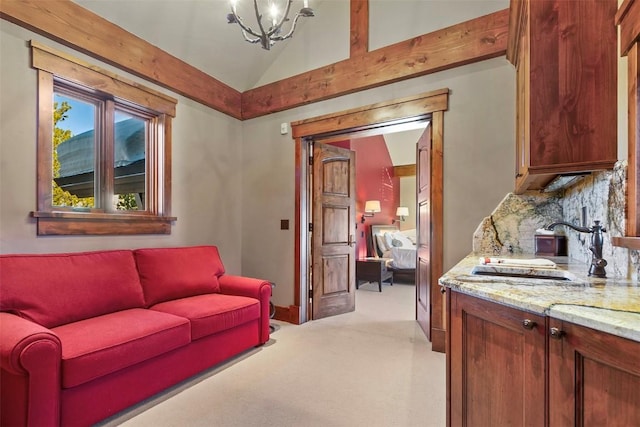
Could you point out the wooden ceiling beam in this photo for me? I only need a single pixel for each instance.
(471, 41)
(404, 170)
(68, 23)
(359, 32)
(78, 28)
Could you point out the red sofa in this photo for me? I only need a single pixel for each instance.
(85, 335)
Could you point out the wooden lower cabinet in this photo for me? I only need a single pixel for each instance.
(508, 367)
(594, 378)
(495, 364)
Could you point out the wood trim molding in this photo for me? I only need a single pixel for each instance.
(51, 60)
(472, 41)
(517, 20)
(289, 314)
(404, 170)
(628, 18)
(633, 164)
(396, 110)
(405, 109)
(438, 303)
(627, 242)
(359, 33)
(66, 22)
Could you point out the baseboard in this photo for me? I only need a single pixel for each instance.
(438, 340)
(290, 314)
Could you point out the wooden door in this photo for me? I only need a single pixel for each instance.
(423, 201)
(594, 377)
(333, 235)
(495, 365)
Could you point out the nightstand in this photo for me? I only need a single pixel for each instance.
(373, 270)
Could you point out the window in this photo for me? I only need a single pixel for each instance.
(104, 150)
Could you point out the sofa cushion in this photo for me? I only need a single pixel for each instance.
(101, 345)
(55, 289)
(212, 313)
(171, 273)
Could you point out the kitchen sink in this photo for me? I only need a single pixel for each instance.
(525, 273)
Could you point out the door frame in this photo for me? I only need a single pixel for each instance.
(370, 119)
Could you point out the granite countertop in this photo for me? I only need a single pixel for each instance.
(610, 305)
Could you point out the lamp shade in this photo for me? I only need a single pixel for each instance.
(372, 206)
(402, 211)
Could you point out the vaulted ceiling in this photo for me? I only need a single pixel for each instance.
(187, 45)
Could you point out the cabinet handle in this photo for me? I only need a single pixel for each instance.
(556, 333)
(528, 324)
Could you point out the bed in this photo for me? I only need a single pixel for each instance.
(397, 247)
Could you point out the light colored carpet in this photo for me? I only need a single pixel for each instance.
(372, 367)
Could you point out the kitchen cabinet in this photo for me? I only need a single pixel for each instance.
(507, 366)
(594, 377)
(495, 364)
(566, 76)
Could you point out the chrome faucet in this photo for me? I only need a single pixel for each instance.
(597, 262)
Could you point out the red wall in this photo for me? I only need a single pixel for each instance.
(374, 181)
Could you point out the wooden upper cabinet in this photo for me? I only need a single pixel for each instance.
(628, 18)
(566, 65)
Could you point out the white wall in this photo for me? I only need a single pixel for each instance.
(206, 178)
(402, 149)
(478, 164)
(408, 199)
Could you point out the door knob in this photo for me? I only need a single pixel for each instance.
(556, 333)
(351, 240)
(528, 324)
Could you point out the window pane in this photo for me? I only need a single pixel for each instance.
(129, 161)
(73, 152)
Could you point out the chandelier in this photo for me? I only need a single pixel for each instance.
(272, 31)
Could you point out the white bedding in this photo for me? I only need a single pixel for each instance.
(402, 257)
(398, 247)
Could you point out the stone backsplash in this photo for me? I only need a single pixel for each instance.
(512, 226)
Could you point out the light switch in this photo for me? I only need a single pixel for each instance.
(284, 128)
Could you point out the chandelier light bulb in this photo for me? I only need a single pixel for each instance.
(267, 38)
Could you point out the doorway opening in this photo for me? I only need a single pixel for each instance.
(409, 113)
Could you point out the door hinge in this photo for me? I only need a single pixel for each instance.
(310, 227)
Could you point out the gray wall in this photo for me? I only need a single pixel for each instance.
(234, 181)
(478, 164)
(206, 176)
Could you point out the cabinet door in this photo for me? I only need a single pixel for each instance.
(495, 365)
(594, 378)
(522, 108)
(565, 54)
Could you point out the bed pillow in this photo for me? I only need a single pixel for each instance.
(399, 240)
(388, 238)
(382, 245)
(410, 234)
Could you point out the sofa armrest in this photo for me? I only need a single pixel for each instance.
(254, 288)
(30, 358)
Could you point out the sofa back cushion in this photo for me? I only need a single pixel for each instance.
(56, 289)
(172, 273)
